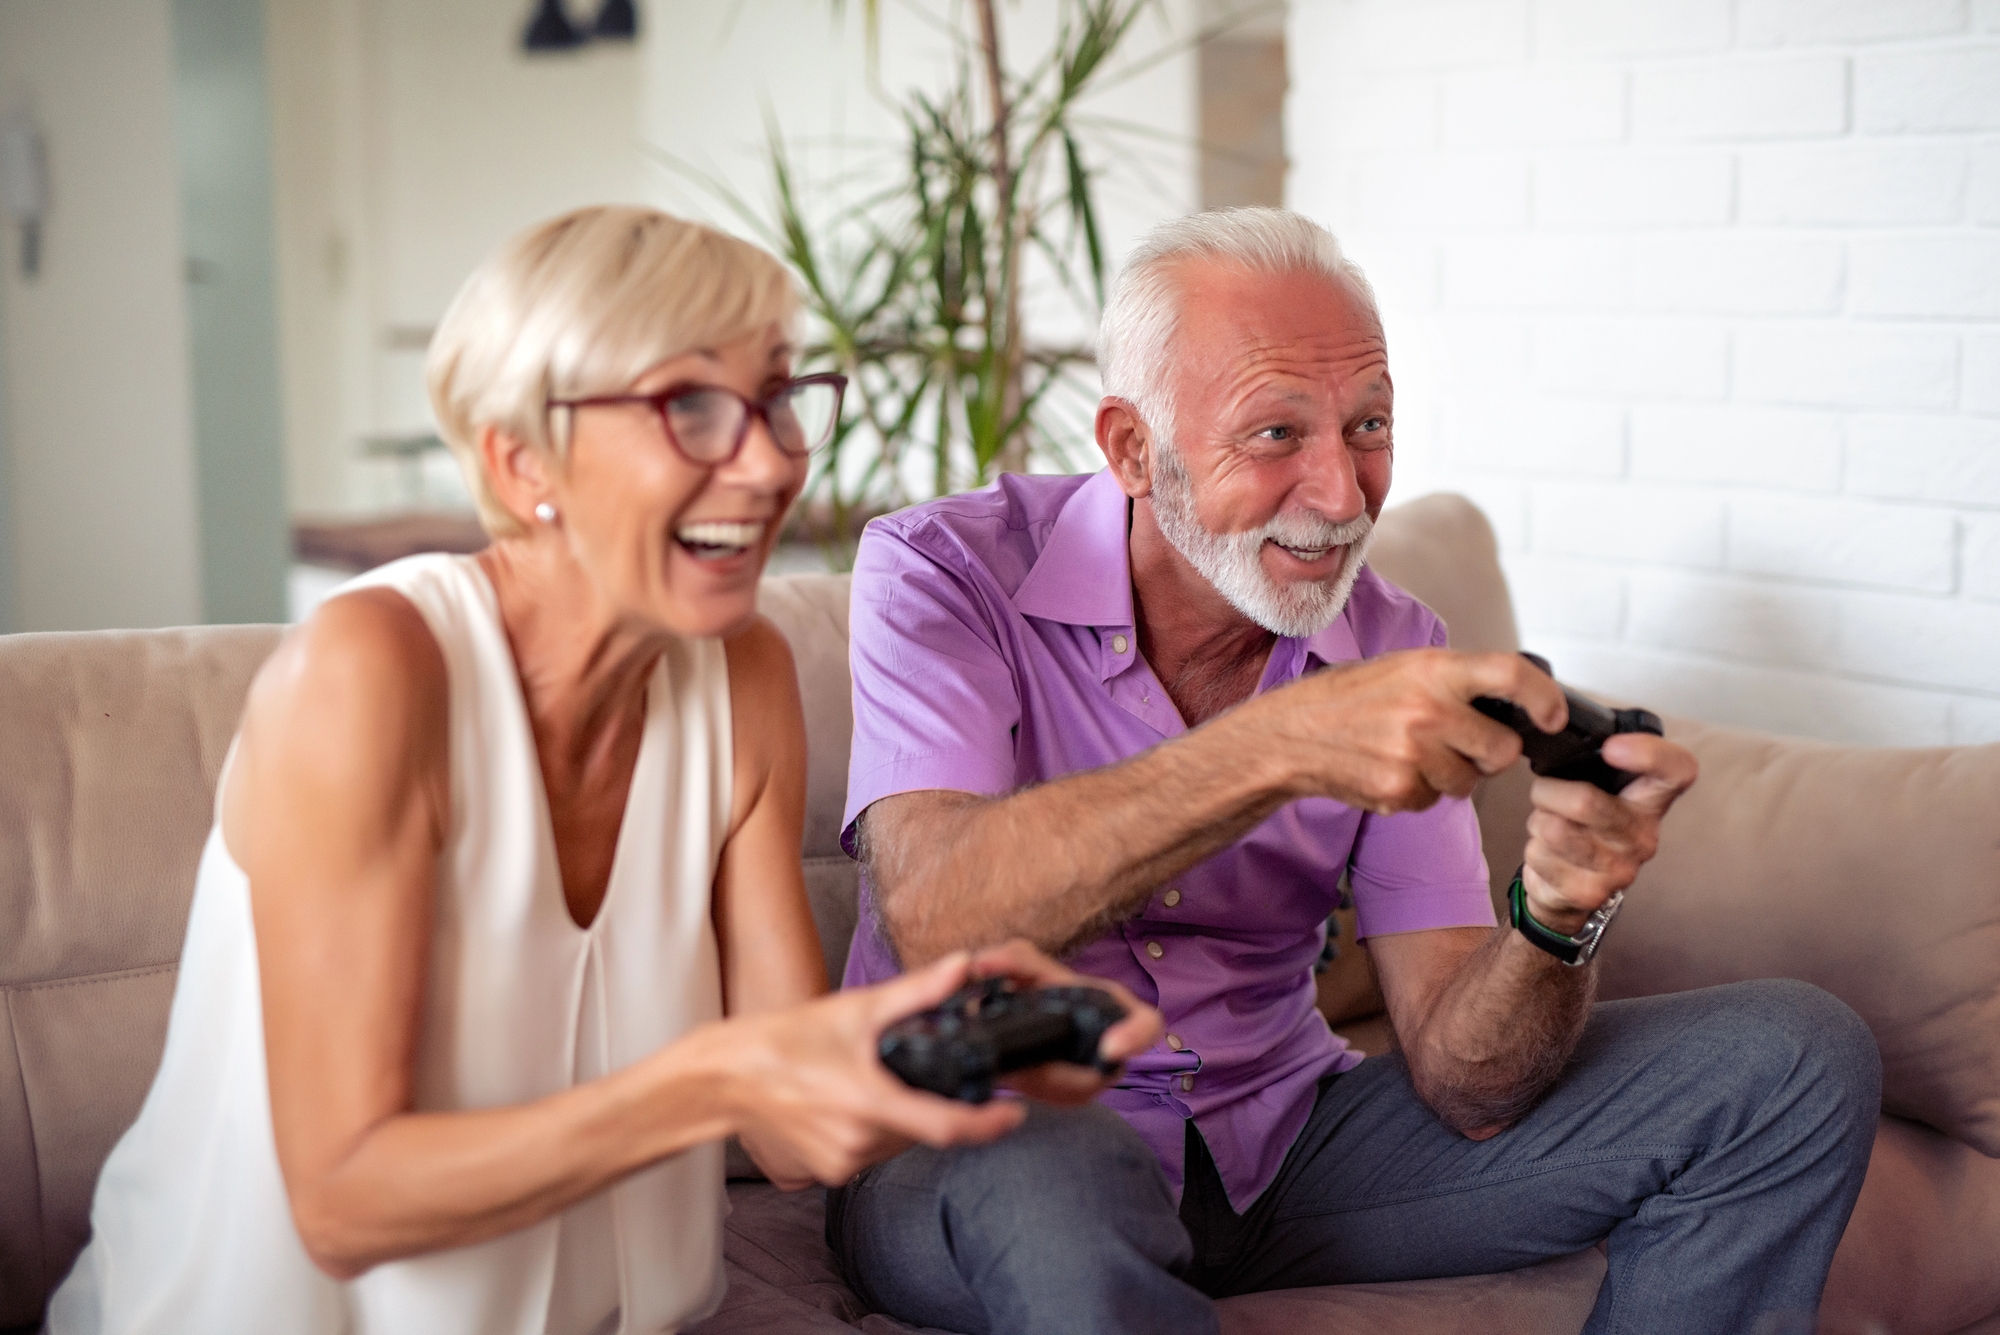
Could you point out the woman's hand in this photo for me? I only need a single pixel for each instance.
(1065, 1083)
(817, 1105)
(814, 1103)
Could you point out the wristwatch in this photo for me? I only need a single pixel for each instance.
(1573, 950)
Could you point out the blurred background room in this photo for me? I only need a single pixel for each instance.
(1699, 300)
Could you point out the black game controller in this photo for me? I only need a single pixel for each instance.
(1573, 753)
(990, 1028)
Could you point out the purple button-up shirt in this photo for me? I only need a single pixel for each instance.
(994, 646)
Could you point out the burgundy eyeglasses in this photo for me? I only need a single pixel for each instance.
(708, 423)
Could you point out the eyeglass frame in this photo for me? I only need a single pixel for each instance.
(752, 408)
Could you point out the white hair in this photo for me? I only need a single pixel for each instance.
(1144, 307)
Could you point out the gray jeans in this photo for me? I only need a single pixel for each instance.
(1716, 1139)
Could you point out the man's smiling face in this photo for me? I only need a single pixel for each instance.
(1279, 456)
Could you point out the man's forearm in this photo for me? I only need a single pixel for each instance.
(1059, 862)
(1498, 1035)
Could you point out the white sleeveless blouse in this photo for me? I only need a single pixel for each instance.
(191, 1230)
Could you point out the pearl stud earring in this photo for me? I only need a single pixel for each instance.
(546, 513)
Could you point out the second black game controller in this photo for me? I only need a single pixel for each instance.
(985, 1030)
(1576, 751)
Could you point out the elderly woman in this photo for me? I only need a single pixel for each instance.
(502, 842)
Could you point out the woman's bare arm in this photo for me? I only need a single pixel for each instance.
(336, 808)
(763, 923)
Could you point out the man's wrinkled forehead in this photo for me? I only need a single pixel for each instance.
(1245, 334)
(1257, 316)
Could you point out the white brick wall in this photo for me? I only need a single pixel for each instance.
(1700, 300)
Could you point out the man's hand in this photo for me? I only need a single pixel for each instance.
(1486, 1019)
(1398, 732)
(1584, 845)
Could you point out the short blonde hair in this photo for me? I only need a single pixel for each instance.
(585, 304)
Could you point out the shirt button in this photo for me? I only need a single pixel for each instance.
(1119, 644)
(1173, 897)
(1174, 1042)
(1187, 1083)
(1155, 949)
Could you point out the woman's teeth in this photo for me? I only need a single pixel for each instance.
(716, 537)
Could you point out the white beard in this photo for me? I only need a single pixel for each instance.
(1233, 562)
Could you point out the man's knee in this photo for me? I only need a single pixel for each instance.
(1783, 1030)
(1783, 1019)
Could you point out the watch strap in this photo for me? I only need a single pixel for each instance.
(1572, 950)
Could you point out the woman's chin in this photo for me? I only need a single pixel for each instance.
(712, 594)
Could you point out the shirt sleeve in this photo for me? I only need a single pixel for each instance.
(935, 699)
(1421, 870)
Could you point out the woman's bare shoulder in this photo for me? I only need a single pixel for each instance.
(370, 648)
(766, 718)
(352, 707)
(760, 659)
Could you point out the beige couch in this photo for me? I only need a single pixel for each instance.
(1874, 873)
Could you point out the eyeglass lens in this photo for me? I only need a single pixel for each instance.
(708, 423)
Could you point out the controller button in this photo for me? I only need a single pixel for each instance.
(1187, 1083)
(1174, 1042)
(1173, 898)
(1155, 949)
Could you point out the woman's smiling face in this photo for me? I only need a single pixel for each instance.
(667, 541)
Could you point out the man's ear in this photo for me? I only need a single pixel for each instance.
(1127, 444)
(518, 473)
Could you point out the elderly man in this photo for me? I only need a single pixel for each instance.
(1147, 718)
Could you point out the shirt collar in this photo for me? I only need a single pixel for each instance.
(1084, 575)
(1335, 644)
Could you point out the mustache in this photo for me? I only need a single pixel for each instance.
(1308, 530)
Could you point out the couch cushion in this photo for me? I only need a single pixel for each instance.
(1553, 1298)
(774, 1243)
(1918, 1255)
(21, 1284)
(1872, 872)
(811, 612)
(87, 1049)
(113, 742)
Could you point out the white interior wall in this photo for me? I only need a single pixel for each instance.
(1700, 299)
(413, 136)
(101, 482)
